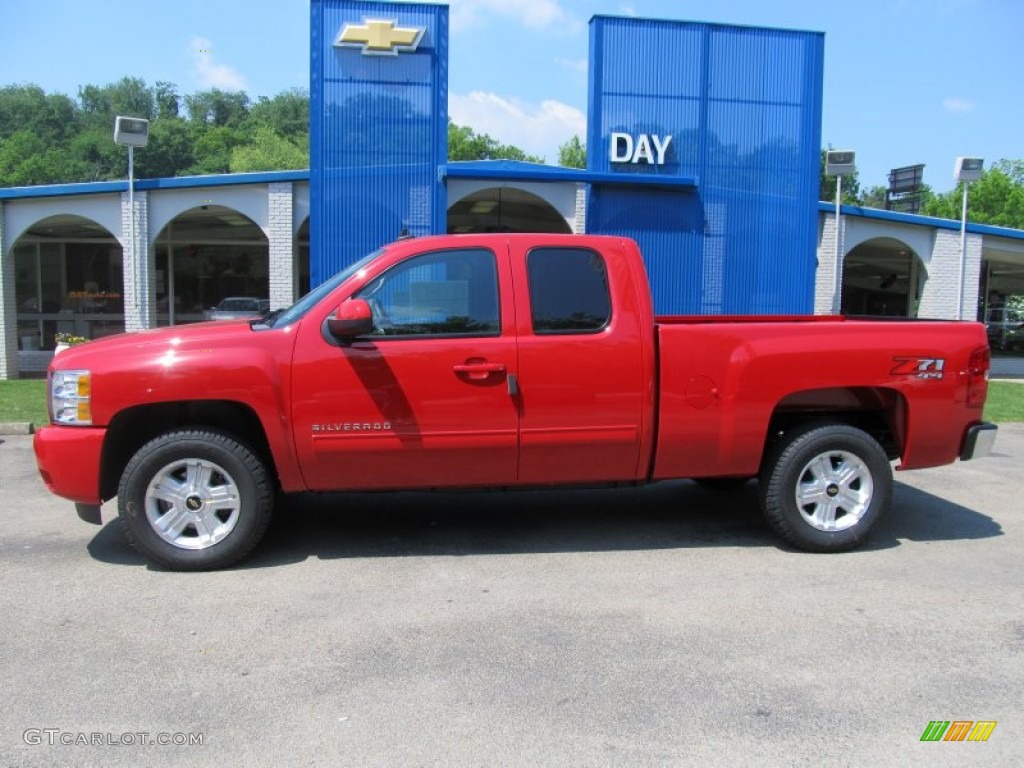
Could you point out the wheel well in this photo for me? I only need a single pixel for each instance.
(879, 411)
(132, 428)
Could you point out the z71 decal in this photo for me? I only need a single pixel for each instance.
(919, 367)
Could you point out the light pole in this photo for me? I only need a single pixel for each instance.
(839, 163)
(132, 132)
(966, 170)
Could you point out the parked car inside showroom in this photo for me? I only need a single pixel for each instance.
(238, 307)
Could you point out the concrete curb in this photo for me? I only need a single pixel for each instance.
(16, 428)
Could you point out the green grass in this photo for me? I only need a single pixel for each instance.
(1005, 401)
(25, 400)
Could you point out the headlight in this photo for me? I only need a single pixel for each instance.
(70, 397)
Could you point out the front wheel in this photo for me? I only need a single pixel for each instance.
(824, 486)
(194, 500)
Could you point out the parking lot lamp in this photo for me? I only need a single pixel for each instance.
(132, 132)
(966, 170)
(839, 163)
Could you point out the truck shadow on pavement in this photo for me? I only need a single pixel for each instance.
(670, 515)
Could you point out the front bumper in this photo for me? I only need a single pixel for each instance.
(69, 461)
(978, 441)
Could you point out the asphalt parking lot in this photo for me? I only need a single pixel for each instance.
(659, 626)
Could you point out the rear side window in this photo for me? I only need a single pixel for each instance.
(568, 290)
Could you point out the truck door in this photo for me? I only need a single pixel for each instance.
(423, 401)
(583, 379)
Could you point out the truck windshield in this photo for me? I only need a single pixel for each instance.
(281, 318)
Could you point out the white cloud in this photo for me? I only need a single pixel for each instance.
(209, 73)
(536, 14)
(627, 10)
(537, 129)
(958, 105)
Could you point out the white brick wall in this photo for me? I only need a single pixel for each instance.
(282, 242)
(8, 309)
(139, 287)
(580, 223)
(824, 285)
(972, 277)
(939, 297)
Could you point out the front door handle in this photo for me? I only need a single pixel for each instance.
(478, 371)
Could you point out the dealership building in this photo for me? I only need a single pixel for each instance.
(703, 145)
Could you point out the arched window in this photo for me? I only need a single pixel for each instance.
(504, 209)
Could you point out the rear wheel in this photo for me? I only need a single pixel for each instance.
(824, 486)
(194, 500)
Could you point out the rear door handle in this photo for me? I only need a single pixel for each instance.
(477, 371)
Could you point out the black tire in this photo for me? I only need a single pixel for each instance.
(195, 500)
(840, 472)
(721, 483)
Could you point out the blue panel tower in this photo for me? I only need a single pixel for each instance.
(378, 127)
(739, 110)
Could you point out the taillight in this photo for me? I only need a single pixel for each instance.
(977, 377)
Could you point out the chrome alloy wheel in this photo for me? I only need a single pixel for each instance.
(192, 503)
(834, 491)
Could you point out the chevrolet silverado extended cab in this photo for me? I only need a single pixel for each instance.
(500, 361)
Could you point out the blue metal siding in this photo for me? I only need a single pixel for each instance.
(743, 107)
(378, 133)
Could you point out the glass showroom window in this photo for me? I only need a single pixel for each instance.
(192, 279)
(67, 287)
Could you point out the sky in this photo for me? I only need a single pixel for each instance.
(906, 81)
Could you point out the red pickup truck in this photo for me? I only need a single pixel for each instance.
(497, 361)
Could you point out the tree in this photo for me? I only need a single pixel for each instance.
(573, 154)
(167, 105)
(212, 148)
(53, 117)
(997, 198)
(52, 138)
(873, 197)
(170, 150)
(98, 156)
(21, 159)
(269, 151)
(287, 113)
(217, 107)
(128, 96)
(465, 144)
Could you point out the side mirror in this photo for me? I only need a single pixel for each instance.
(353, 318)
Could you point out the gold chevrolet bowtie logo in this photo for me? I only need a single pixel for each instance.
(378, 37)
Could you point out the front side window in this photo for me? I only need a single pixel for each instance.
(446, 293)
(568, 290)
